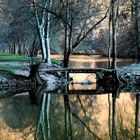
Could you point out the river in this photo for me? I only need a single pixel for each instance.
(59, 116)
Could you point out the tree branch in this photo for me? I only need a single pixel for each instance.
(83, 37)
(59, 16)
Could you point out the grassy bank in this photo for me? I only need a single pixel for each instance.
(13, 57)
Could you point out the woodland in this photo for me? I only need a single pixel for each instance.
(32, 32)
(32, 27)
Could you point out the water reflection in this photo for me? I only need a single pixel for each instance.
(17, 118)
(95, 61)
(59, 116)
(137, 117)
(43, 125)
(94, 116)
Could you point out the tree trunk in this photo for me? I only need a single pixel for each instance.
(33, 50)
(48, 59)
(43, 43)
(68, 34)
(137, 28)
(109, 41)
(44, 31)
(113, 40)
(66, 57)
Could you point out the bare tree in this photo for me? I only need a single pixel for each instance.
(43, 25)
(72, 41)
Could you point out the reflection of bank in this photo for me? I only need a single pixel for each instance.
(17, 117)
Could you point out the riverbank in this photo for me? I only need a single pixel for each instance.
(131, 74)
(53, 80)
(76, 61)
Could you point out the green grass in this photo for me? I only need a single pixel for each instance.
(9, 58)
(54, 61)
(15, 57)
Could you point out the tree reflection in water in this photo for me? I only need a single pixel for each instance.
(17, 118)
(72, 117)
(79, 116)
(137, 117)
(43, 121)
(68, 118)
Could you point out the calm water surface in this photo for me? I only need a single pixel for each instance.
(72, 117)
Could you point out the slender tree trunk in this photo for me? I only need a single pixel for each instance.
(44, 31)
(14, 48)
(109, 41)
(66, 58)
(43, 43)
(134, 20)
(9, 46)
(68, 34)
(113, 40)
(34, 48)
(137, 28)
(48, 59)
